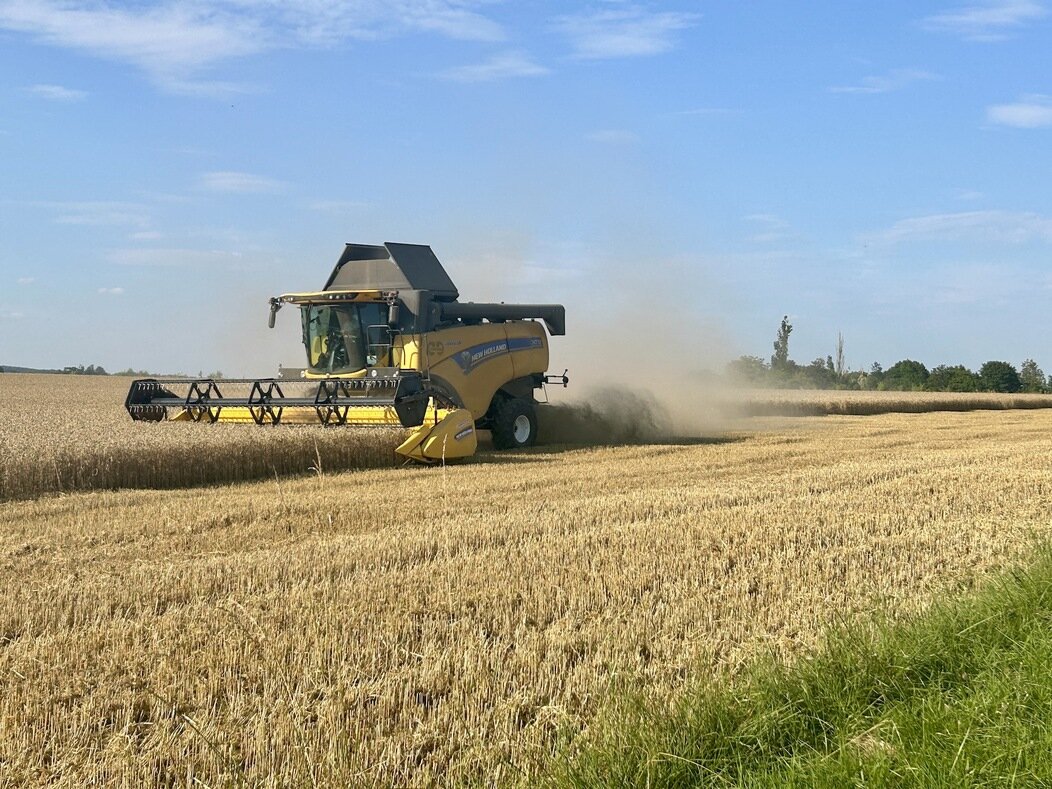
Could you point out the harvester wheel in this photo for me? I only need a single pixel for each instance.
(514, 424)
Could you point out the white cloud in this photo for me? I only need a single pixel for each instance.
(98, 213)
(986, 21)
(1031, 112)
(623, 31)
(337, 206)
(961, 283)
(175, 40)
(502, 66)
(450, 19)
(1001, 227)
(167, 40)
(772, 228)
(326, 23)
(111, 291)
(56, 93)
(26, 280)
(968, 194)
(8, 314)
(715, 111)
(240, 183)
(613, 136)
(172, 257)
(896, 79)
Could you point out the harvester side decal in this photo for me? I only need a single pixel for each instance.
(472, 357)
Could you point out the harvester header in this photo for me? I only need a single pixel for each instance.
(389, 343)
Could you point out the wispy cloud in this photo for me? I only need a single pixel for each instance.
(170, 41)
(705, 111)
(972, 283)
(772, 228)
(175, 41)
(9, 314)
(111, 291)
(97, 213)
(240, 183)
(1030, 112)
(502, 66)
(623, 31)
(451, 19)
(327, 23)
(56, 93)
(613, 136)
(896, 79)
(26, 280)
(337, 206)
(172, 257)
(992, 20)
(1002, 227)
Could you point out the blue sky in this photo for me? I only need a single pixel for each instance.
(679, 175)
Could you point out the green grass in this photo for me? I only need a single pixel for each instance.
(958, 696)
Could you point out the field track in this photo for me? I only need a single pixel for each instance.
(415, 625)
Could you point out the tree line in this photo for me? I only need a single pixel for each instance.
(906, 375)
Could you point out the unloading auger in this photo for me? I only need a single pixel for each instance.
(389, 344)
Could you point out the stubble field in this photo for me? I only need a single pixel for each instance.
(416, 626)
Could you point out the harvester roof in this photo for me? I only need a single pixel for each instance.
(392, 267)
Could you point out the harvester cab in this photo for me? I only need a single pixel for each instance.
(388, 343)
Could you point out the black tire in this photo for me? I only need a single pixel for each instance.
(514, 423)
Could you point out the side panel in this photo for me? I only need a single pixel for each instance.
(474, 360)
(406, 352)
(479, 360)
(528, 344)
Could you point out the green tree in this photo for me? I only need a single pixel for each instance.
(873, 378)
(748, 369)
(999, 377)
(1032, 377)
(906, 375)
(818, 375)
(780, 359)
(956, 378)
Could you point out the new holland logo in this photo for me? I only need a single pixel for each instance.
(472, 357)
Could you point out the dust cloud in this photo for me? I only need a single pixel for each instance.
(620, 415)
(641, 354)
(643, 336)
(609, 416)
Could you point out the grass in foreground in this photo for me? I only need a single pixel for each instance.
(958, 696)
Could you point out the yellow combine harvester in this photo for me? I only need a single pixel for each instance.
(389, 344)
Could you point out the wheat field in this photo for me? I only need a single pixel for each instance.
(65, 433)
(61, 434)
(416, 626)
(804, 402)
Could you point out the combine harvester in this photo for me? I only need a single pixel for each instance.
(389, 344)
